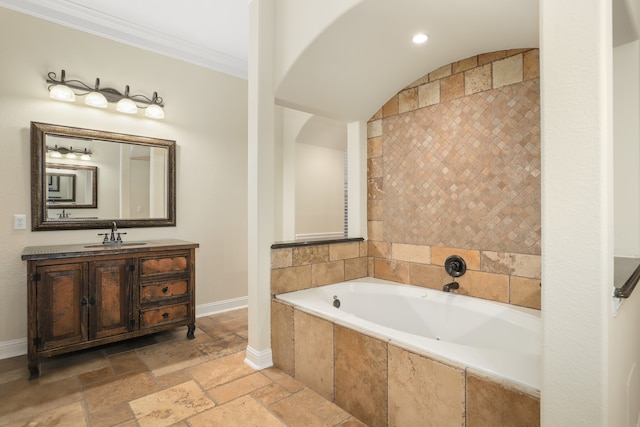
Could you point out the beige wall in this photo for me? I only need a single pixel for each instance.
(206, 115)
(454, 168)
(319, 190)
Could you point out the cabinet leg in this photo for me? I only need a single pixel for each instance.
(191, 329)
(34, 370)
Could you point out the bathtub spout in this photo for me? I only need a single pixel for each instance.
(451, 286)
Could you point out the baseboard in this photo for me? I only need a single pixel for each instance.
(221, 306)
(258, 360)
(13, 348)
(18, 347)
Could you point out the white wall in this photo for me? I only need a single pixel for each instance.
(577, 212)
(626, 120)
(319, 189)
(306, 20)
(206, 113)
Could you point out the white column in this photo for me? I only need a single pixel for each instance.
(577, 224)
(357, 177)
(261, 183)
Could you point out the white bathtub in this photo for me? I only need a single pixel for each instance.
(499, 339)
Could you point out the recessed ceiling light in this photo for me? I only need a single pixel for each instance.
(420, 38)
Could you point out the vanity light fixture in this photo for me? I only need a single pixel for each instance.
(126, 105)
(154, 111)
(54, 152)
(86, 155)
(95, 98)
(57, 152)
(67, 90)
(60, 91)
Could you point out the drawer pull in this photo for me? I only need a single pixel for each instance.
(165, 289)
(165, 315)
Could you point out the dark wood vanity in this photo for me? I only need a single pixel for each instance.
(82, 296)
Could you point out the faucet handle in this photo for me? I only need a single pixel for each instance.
(106, 237)
(119, 239)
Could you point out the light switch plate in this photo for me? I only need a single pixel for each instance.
(20, 222)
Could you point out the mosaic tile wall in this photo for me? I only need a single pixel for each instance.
(454, 164)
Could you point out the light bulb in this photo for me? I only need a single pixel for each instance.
(71, 155)
(127, 106)
(62, 92)
(420, 38)
(154, 111)
(85, 155)
(96, 99)
(56, 154)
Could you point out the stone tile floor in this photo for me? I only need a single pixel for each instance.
(163, 380)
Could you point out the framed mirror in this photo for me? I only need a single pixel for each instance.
(71, 186)
(136, 186)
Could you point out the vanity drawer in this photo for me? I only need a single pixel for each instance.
(162, 315)
(165, 264)
(163, 290)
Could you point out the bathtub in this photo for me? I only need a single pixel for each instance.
(498, 339)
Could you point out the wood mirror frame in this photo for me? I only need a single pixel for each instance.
(40, 221)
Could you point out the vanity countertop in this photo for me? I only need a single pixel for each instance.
(97, 248)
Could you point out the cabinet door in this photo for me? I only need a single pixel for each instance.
(110, 298)
(62, 305)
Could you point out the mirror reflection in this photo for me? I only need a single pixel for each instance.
(136, 185)
(71, 186)
(61, 188)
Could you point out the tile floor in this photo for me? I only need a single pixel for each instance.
(163, 380)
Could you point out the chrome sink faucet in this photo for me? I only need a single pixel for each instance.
(114, 236)
(114, 229)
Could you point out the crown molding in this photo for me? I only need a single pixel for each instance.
(90, 21)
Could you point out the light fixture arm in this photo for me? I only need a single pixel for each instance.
(112, 95)
(65, 150)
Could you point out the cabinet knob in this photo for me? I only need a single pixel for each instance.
(165, 289)
(165, 315)
(84, 301)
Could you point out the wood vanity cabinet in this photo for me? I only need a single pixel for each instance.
(83, 296)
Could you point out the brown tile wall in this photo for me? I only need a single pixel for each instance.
(384, 384)
(454, 168)
(306, 267)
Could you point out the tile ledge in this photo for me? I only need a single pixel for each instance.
(313, 242)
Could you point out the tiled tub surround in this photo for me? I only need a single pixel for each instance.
(495, 338)
(504, 277)
(302, 267)
(384, 383)
(454, 167)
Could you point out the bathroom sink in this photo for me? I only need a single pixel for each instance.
(115, 245)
